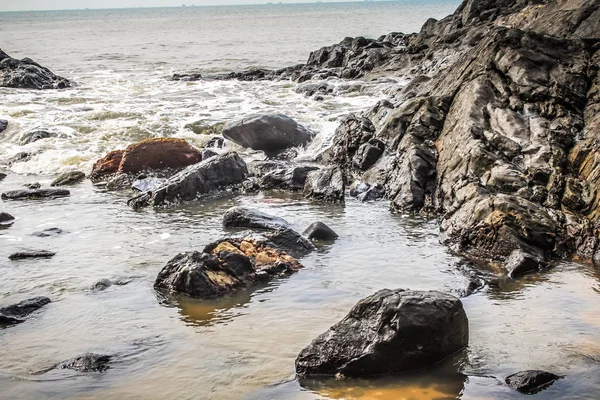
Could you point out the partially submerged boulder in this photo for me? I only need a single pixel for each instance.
(34, 194)
(155, 154)
(89, 362)
(48, 232)
(35, 135)
(269, 133)
(68, 178)
(389, 332)
(243, 217)
(531, 381)
(6, 219)
(520, 263)
(196, 180)
(3, 125)
(223, 266)
(27, 74)
(327, 184)
(17, 313)
(289, 241)
(21, 255)
(320, 231)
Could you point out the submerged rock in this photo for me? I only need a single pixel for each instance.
(156, 154)
(223, 266)
(48, 232)
(532, 381)
(2, 175)
(203, 128)
(34, 136)
(68, 178)
(6, 219)
(320, 231)
(104, 284)
(34, 194)
(269, 133)
(33, 185)
(89, 362)
(389, 332)
(17, 313)
(3, 125)
(327, 185)
(148, 184)
(207, 176)
(27, 74)
(289, 241)
(21, 255)
(243, 217)
(520, 263)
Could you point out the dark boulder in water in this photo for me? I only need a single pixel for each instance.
(532, 381)
(222, 267)
(389, 332)
(3, 125)
(34, 194)
(6, 219)
(148, 184)
(48, 232)
(286, 178)
(33, 185)
(68, 178)
(2, 175)
(520, 263)
(27, 74)
(107, 165)
(243, 217)
(320, 231)
(89, 362)
(21, 255)
(17, 313)
(34, 136)
(328, 185)
(290, 241)
(269, 133)
(104, 284)
(196, 180)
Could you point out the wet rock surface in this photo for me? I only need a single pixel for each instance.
(520, 263)
(269, 133)
(196, 180)
(6, 219)
(22, 255)
(320, 231)
(289, 241)
(327, 185)
(243, 217)
(27, 74)
(532, 381)
(34, 136)
(89, 362)
(286, 178)
(3, 125)
(17, 313)
(222, 267)
(389, 332)
(48, 232)
(68, 178)
(34, 194)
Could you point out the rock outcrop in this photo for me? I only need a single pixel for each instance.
(532, 381)
(269, 133)
(16, 313)
(196, 180)
(222, 267)
(33, 194)
(389, 332)
(27, 74)
(327, 185)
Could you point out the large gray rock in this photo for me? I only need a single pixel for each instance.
(327, 184)
(198, 179)
(243, 217)
(27, 74)
(389, 332)
(531, 381)
(269, 133)
(17, 313)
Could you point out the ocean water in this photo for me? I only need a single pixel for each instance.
(242, 346)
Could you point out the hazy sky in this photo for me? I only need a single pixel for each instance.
(16, 5)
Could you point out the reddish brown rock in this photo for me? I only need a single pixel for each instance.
(107, 165)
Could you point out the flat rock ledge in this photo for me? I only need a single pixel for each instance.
(222, 267)
(33, 194)
(389, 332)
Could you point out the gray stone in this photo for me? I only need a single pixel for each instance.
(34, 194)
(6, 219)
(532, 381)
(34, 136)
(68, 178)
(89, 362)
(320, 231)
(326, 185)
(520, 263)
(242, 217)
(17, 313)
(21, 255)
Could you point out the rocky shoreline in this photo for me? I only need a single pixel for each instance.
(495, 133)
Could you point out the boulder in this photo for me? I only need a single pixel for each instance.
(367, 154)
(48, 232)
(242, 217)
(269, 133)
(68, 178)
(17, 313)
(89, 362)
(104, 284)
(286, 178)
(532, 381)
(2, 175)
(6, 219)
(27, 74)
(289, 241)
(320, 231)
(21, 255)
(520, 263)
(3, 125)
(327, 185)
(196, 180)
(32, 185)
(148, 184)
(208, 153)
(107, 165)
(222, 267)
(389, 332)
(34, 194)
(35, 135)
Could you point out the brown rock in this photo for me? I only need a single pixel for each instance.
(107, 165)
(160, 153)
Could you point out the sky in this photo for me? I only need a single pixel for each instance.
(19, 5)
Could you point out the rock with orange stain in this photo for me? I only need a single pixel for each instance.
(224, 266)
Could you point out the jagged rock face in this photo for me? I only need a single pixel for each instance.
(222, 267)
(27, 74)
(327, 185)
(196, 180)
(389, 332)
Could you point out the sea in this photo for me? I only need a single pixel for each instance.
(242, 346)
